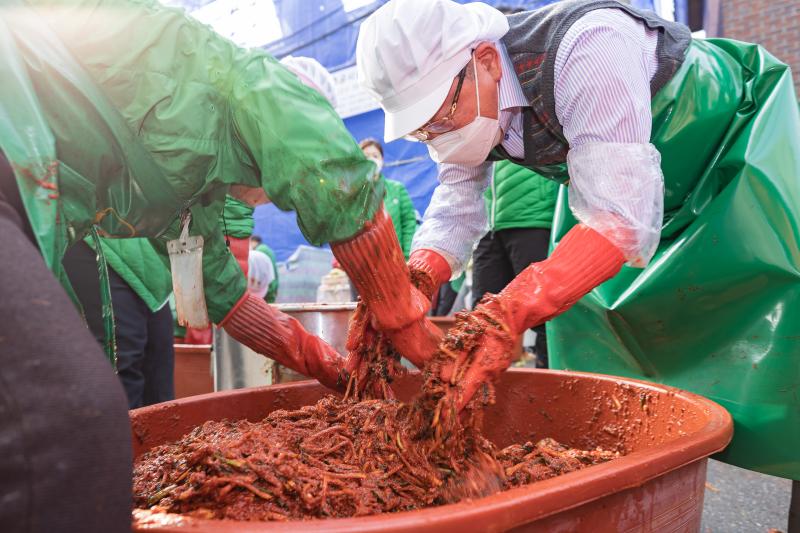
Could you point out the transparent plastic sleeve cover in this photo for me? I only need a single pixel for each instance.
(617, 189)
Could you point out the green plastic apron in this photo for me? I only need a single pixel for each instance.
(717, 311)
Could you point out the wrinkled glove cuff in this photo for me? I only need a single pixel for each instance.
(278, 336)
(428, 271)
(582, 260)
(375, 264)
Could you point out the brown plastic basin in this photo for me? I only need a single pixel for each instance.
(667, 435)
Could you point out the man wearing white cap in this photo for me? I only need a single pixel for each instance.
(593, 94)
(409, 53)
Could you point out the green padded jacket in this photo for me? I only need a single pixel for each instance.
(519, 198)
(398, 205)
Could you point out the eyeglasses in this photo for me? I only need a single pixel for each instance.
(442, 125)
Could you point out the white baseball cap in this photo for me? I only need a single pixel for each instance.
(409, 51)
(312, 74)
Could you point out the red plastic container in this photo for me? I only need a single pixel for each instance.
(193, 370)
(667, 435)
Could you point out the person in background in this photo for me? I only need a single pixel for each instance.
(397, 201)
(260, 273)
(520, 205)
(140, 289)
(313, 74)
(256, 243)
(677, 240)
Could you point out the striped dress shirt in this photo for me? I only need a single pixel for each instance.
(603, 69)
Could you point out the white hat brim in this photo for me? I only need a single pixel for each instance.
(405, 121)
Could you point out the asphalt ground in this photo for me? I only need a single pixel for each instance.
(741, 501)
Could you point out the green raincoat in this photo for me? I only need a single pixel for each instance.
(118, 116)
(140, 265)
(717, 310)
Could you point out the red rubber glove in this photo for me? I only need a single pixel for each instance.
(583, 260)
(199, 336)
(374, 263)
(429, 271)
(240, 248)
(269, 332)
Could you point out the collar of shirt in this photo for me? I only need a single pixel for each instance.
(512, 100)
(511, 94)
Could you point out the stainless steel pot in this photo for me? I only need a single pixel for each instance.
(236, 366)
(326, 321)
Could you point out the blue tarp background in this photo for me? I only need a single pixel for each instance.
(322, 29)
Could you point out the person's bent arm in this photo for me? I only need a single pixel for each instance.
(602, 93)
(398, 313)
(309, 163)
(248, 318)
(453, 223)
(456, 217)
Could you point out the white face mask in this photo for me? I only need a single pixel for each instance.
(378, 163)
(470, 145)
